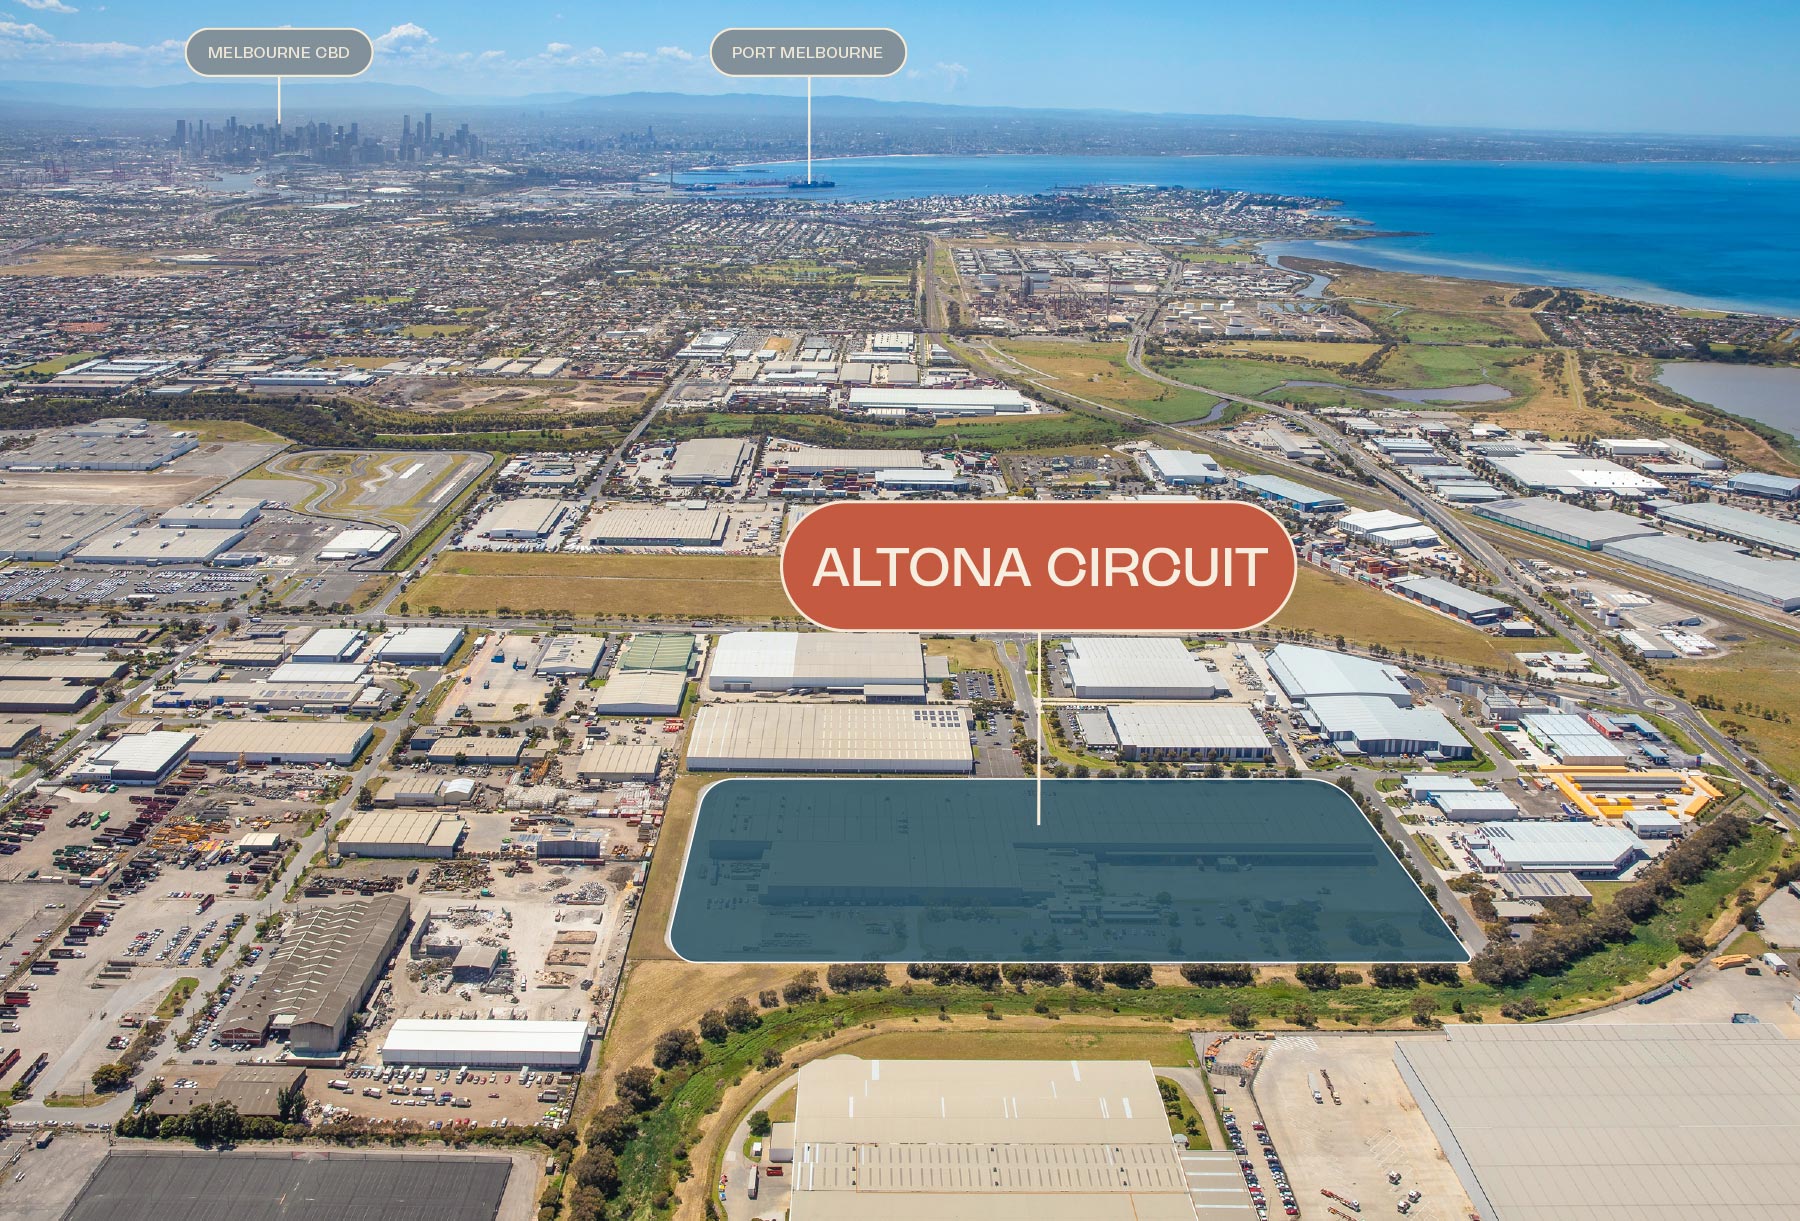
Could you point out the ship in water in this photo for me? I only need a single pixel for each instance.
(812, 184)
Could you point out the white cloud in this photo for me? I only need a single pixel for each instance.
(953, 74)
(406, 38)
(26, 43)
(48, 6)
(674, 53)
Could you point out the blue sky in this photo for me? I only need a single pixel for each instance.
(1649, 66)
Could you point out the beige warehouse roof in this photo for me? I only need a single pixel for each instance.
(998, 1140)
(1601, 1122)
(283, 739)
(620, 759)
(423, 828)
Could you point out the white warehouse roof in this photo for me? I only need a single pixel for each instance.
(485, 1041)
(1305, 673)
(830, 738)
(1138, 667)
(776, 661)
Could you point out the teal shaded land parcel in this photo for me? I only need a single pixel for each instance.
(1119, 871)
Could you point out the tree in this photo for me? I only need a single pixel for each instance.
(613, 1127)
(676, 1046)
(760, 1124)
(597, 1169)
(801, 988)
(1424, 1009)
(1239, 1015)
(290, 1104)
(637, 1088)
(741, 1015)
(1319, 976)
(713, 1026)
(1127, 974)
(110, 1077)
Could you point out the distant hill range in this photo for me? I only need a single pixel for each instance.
(737, 120)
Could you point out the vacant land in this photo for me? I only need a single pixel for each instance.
(1061, 1041)
(1754, 688)
(1098, 371)
(1331, 606)
(93, 261)
(1302, 349)
(1428, 309)
(605, 586)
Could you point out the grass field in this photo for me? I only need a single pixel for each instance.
(1430, 309)
(604, 586)
(1332, 606)
(435, 330)
(1098, 371)
(1063, 1041)
(59, 364)
(93, 261)
(229, 430)
(1304, 349)
(1756, 675)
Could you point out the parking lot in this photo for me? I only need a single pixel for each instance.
(1350, 1145)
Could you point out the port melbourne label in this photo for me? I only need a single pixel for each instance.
(807, 52)
(1119, 871)
(1025, 566)
(279, 52)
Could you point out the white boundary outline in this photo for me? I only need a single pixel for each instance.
(668, 931)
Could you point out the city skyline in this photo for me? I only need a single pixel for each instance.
(1532, 68)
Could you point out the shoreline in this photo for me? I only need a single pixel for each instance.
(1374, 257)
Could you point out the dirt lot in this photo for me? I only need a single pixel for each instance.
(1351, 1148)
(605, 586)
(492, 690)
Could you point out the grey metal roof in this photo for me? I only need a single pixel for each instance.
(205, 1185)
(1600, 1122)
(1740, 524)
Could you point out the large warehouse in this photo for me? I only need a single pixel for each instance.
(830, 738)
(48, 532)
(715, 461)
(1571, 739)
(330, 958)
(338, 742)
(1371, 725)
(1182, 468)
(667, 526)
(1738, 525)
(420, 646)
(1584, 849)
(404, 833)
(1721, 566)
(1307, 673)
(1177, 732)
(1590, 529)
(486, 1043)
(1453, 599)
(834, 661)
(810, 461)
(152, 548)
(135, 758)
(1138, 668)
(641, 693)
(1604, 1121)
(524, 520)
(933, 401)
(997, 1140)
(1293, 495)
(616, 761)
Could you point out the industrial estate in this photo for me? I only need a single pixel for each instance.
(391, 515)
